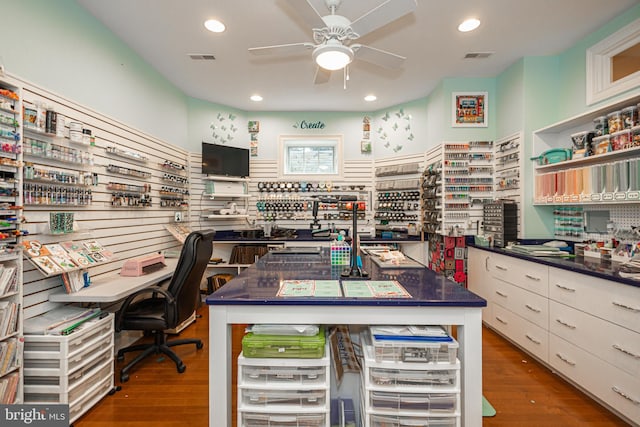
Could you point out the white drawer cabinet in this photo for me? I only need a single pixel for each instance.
(76, 369)
(529, 336)
(525, 274)
(613, 386)
(584, 327)
(531, 306)
(615, 344)
(614, 302)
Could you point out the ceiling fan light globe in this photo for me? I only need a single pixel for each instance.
(333, 57)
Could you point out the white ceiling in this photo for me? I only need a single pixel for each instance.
(165, 32)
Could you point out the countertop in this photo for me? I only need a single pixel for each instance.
(584, 265)
(300, 235)
(258, 284)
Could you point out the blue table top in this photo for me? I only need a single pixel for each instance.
(259, 284)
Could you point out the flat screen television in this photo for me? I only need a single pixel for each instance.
(224, 160)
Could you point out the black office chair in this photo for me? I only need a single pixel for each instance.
(157, 309)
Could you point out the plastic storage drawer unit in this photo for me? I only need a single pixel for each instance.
(300, 375)
(284, 346)
(398, 350)
(299, 399)
(257, 419)
(402, 378)
(426, 403)
(377, 420)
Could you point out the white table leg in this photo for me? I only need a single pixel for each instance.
(470, 340)
(219, 367)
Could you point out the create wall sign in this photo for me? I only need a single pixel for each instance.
(309, 124)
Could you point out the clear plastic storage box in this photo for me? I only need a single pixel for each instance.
(418, 351)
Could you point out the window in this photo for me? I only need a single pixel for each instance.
(613, 65)
(304, 156)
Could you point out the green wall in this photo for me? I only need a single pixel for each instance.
(61, 47)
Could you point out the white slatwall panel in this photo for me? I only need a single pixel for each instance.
(127, 232)
(513, 170)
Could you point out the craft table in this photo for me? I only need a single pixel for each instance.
(251, 298)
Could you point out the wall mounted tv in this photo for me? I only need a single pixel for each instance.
(224, 160)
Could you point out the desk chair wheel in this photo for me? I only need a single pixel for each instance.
(120, 357)
(181, 368)
(199, 345)
(124, 378)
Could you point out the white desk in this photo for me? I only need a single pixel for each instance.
(113, 287)
(250, 298)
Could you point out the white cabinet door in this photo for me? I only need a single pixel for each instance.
(608, 300)
(480, 280)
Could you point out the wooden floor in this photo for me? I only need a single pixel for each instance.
(523, 392)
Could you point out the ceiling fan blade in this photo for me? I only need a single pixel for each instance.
(282, 48)
(377, 56)
(306, 10)
(381, 15)
(322, 76)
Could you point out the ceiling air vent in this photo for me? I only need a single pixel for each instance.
(473, 55)
(202, 56)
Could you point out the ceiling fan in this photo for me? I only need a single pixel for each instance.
(333, 35)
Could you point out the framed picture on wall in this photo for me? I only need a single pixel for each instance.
(469, 109)
(365, 146)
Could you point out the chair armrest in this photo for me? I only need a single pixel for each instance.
(154, 291)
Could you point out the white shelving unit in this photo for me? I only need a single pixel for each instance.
(588, 180)
(221, 194)
(11, 270)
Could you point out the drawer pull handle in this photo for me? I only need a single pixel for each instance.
(533, 340)
(535, 310)
(501, 294)
(627, 307)
(528, 276)
(625, 395)
(499, 267)
(500, 320)
(565, 360)
(565, 324)
(627, 352)
(565, 288)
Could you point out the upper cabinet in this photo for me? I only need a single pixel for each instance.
(590, 158)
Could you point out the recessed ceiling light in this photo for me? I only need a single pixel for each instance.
(214, 25)
(469, 25)
(256, 98)
(370, 98)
